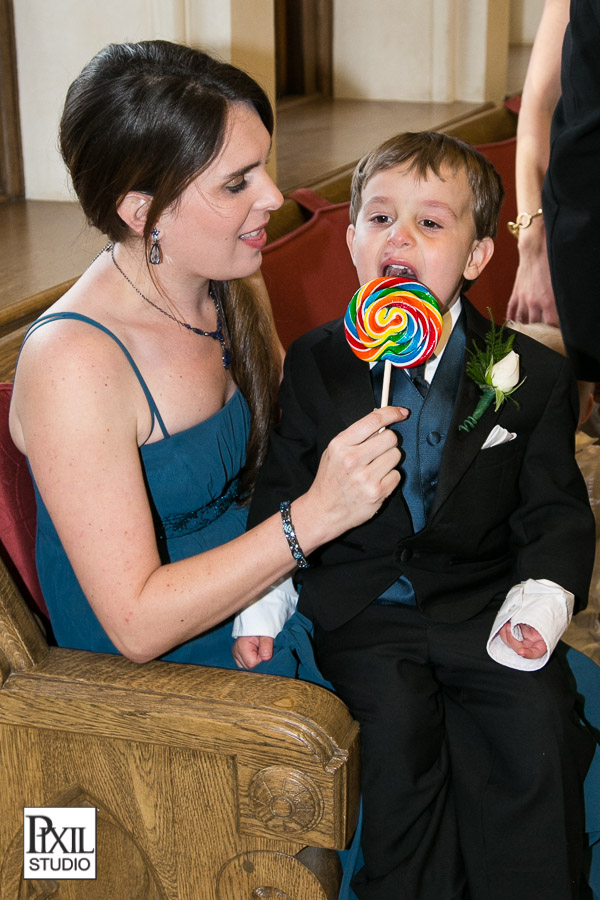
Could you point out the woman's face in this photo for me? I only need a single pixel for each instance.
(216, 229)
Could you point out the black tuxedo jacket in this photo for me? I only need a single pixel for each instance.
(500, 516)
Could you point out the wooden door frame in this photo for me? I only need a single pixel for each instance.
(316, 38)
(12, 182)
(324, 25)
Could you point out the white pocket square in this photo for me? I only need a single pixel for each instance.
(498, 435)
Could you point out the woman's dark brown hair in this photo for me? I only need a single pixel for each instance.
(150, 117)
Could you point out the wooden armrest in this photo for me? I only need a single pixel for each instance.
(257, 720)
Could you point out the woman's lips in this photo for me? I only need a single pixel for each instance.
(256, 239)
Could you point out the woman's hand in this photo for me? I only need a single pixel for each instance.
(358, 470)
(532, 298)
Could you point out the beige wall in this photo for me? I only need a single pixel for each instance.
(54, 41)
(56, 38)
(524, 18)
(437, 50)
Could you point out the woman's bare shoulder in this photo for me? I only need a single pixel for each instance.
(69, 367)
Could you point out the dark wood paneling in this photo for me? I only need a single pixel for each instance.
(12, 183)
(303, 48)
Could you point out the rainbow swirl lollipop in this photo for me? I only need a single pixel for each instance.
(394, 319)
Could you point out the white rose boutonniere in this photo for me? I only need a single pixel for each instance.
(504, 375)
(495, 370)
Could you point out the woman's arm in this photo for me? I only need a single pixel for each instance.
(532, 299)
(80, 428)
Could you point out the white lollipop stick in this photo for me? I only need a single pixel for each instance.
(385, 388)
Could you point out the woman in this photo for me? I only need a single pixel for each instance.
(143, 397)
(532, 298)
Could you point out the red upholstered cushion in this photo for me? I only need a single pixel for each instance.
(310, 276)
(494, 285)
(17, 509)
(513, 103)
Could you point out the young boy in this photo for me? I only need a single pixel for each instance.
(436, 620)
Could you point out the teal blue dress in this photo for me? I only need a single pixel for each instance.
(192, 479)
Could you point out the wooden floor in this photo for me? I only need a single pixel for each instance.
(44, 243)
(321, 137)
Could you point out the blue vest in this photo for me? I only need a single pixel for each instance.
(422, 436)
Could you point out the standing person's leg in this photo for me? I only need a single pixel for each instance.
(378, 663)
(519, 756)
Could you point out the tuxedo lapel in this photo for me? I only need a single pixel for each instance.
(346, 377)
(462, 447)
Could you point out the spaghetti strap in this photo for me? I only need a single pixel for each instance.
(52, 317)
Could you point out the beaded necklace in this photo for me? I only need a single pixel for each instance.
(217, 335)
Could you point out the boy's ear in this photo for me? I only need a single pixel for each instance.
(481, 253)
(133, 209)
(350, 234)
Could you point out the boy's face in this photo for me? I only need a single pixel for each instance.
(422, 228)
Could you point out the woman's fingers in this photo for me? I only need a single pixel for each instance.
(358, 470)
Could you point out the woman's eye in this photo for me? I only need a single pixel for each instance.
(238, 184)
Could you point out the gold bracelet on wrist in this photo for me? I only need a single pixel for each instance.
(523, 220)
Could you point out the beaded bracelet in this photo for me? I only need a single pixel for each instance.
(290, 535)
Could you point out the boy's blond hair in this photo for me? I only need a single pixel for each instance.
(429, 151)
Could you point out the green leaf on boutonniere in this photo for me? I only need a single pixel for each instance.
(495, 369)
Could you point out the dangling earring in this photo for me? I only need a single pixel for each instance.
(155, 254)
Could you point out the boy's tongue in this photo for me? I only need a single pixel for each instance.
(393, 271)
